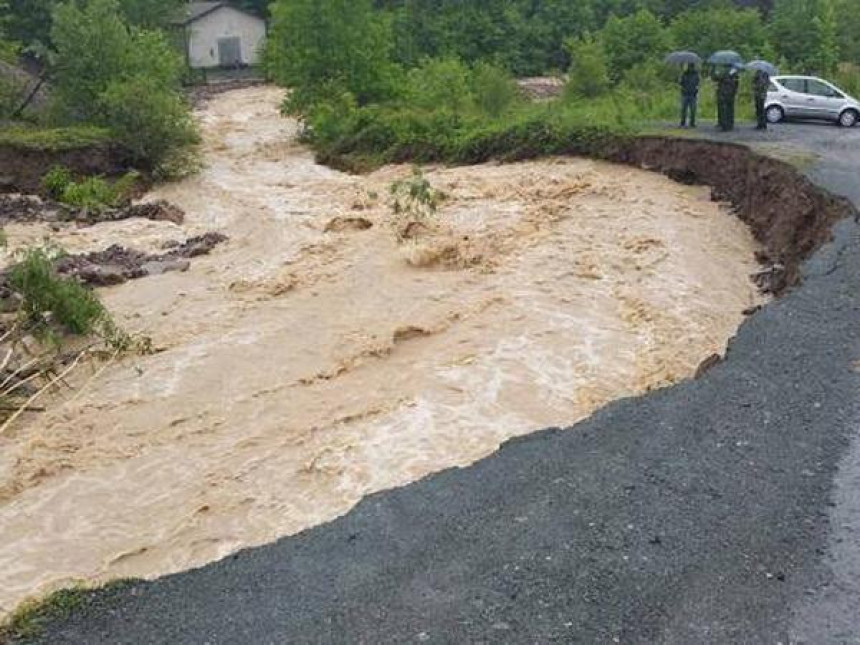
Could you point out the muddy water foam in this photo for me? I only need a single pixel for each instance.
(300, 370)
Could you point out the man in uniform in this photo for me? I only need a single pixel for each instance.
(761, 83)
(689, 95)
(727, 91)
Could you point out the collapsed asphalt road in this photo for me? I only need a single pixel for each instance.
(699, 514)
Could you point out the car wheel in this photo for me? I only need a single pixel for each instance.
(848, 119)
(774, 114)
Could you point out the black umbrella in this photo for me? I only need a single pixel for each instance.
(762, 66)
(726, 57)
(683, 58)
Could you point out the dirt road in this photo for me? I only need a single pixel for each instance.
(299, 370)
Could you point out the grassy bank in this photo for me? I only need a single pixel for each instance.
(360, 139)
(28, 622)
(30, 137)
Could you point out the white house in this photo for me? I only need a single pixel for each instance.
(217, 34)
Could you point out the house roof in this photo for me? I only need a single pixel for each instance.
(197, 10)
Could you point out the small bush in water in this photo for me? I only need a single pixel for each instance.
(49, 298)
(415, 197)
(91, 193)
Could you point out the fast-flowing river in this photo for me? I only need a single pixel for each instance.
(299, 370)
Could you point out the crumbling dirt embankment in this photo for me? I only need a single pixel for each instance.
(22, 168)
(788, 214)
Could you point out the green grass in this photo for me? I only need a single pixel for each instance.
(31, 618)
(53, 139)
(95, 194)
(360, 139)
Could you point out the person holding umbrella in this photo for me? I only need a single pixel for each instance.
(727, 86)
(761, 84)
(689, 83)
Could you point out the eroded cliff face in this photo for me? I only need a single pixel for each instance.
(788, 214)
(22, 168)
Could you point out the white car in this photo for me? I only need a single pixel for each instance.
(807, 97)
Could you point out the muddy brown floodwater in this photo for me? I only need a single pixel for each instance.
(300, 370)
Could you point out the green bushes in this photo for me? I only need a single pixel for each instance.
(92, 193)
(589, 72)
(12, 91)
(54, 139)
(314, 43)
(440, 83)
(49, 298)
(495, 90)
(378, 135)
(119, 77)
(414, 197)
(148, 121)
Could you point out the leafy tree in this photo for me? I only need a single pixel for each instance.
(95, 47)
(122, 77)
(709, 30)
(259, 7)
(792, 32)
(848, 19)
(545, 30)
(494, 89)
(29, 21)
(628, 41)
(151, 14)
(8, 49)
(314, 43)
(826, 57)
(589, 72)
(150, 122)
(440, 83)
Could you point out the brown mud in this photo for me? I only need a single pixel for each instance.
(20, 208)
(118, 264)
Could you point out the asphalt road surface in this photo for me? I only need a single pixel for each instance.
(723, 510)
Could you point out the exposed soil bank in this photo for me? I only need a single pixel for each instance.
(17, 208)
(789, 215)
(320, 357)
(22, 168)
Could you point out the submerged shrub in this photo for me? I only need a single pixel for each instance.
(415, 197)
(47, 297)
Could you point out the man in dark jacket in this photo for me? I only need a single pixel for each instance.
(761, 83)
(689, 95)
(727, 91)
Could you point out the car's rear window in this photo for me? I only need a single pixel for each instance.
(794, 84)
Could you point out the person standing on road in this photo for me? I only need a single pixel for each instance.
(727, 91)
(689, 95)
(761, 83)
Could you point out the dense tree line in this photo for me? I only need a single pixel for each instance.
(109, 64)
(366, 47)
(28, 22)
(528, 36)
